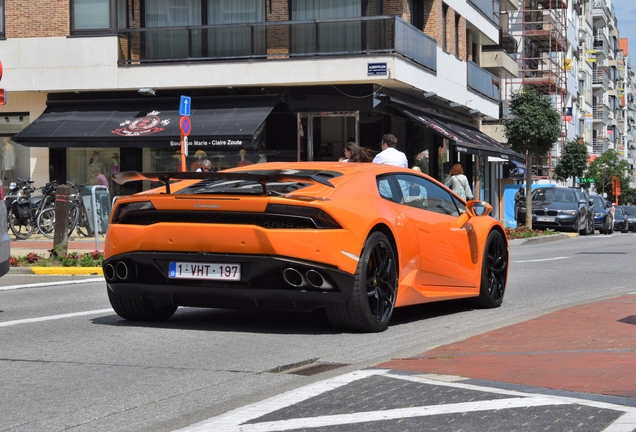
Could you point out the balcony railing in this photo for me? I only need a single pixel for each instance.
(490, 8)
(278, 40)
(483, 82)
(600, 113)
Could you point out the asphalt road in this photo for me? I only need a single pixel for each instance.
(68, 362)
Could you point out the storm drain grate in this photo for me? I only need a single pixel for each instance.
(307, 367)
(316, 368)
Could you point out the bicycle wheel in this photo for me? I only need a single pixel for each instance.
(21, 230)
(73, 217)
(46, 222)
(82, 223)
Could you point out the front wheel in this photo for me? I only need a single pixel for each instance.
(494, 272)
(46, 222)
(374, 290)
(136, 310)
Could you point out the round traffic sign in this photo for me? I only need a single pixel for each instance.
(185, 124)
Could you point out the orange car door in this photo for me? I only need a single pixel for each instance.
(445, 253)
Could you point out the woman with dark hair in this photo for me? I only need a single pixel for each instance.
(458, 182)
(354, 153)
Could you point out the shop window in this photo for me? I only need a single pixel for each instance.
(86, 166)
(90, 16)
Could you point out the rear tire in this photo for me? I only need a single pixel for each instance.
(136, 310)
(494, 272)
(374, 290)
(19, 230)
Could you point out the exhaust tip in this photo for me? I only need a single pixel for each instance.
(314, 278)
(121, 269)
(109, 272)
(293, 277)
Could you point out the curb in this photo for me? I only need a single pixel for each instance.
(61, 270)
(541, 239)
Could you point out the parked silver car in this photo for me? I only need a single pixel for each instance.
(5, 241)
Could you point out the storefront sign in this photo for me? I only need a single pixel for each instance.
(147, 125)
(210, 143)
(376, 69)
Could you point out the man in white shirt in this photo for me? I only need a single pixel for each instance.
(389, 154)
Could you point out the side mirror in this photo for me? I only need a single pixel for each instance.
(473, 209)
(478, 208)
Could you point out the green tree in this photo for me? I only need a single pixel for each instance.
(533, 127)
(604, 168)
(573, 161)
(627, 196)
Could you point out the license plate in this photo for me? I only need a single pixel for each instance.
(209, 271)
(545, 219)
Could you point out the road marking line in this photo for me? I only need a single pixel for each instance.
(625, 423)
(41, 284)
(391, 414)
(237, 420)
(53, 317)
(545, 259)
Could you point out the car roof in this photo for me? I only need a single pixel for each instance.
(343, 167)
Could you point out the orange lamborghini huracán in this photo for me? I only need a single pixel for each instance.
(355, 239)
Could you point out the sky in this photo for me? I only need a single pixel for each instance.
(626, 19)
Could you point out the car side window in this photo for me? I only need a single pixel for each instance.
(421, 193)
(388, 189)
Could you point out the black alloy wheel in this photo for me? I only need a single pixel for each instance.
(494, 274)
(374, 292)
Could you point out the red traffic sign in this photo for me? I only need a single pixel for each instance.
(185, 124)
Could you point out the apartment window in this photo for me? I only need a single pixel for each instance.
(1, 18)
(342, 36)
(444, 37)
(90, 16)
(457, 18)
(236, 41)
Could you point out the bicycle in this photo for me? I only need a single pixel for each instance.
(25, 209)
(77, 218)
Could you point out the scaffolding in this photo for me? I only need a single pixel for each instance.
(540, 27)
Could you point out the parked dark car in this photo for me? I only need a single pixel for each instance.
(603, 217)
(561, 209)
(630, 217)
(620, 220)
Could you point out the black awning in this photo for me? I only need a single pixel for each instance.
(215, 124)
(466, 139)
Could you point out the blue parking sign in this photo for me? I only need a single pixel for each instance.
(185, 105)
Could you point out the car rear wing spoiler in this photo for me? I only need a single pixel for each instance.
(166, 177)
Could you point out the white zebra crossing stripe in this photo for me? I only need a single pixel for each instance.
(237, 420)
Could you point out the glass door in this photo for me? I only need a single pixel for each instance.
(322, 136)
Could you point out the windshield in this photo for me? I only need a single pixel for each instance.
(598, 201)
(559, 195)
(630, 210)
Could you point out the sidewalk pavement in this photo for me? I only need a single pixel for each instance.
(589, 348)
